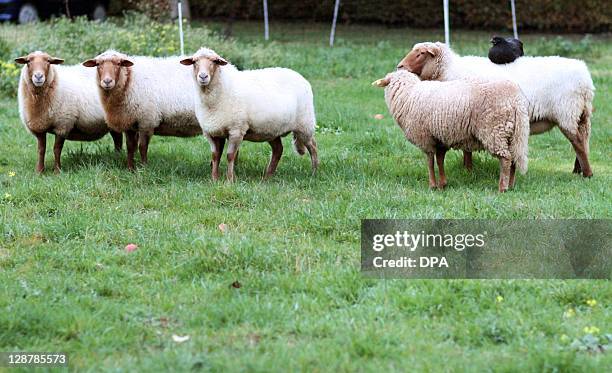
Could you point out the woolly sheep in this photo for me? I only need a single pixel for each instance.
(559, 90)
(462, 114)
(256, 105)
(142, 96)
(61, 100)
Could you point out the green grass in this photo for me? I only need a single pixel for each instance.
(292, 242)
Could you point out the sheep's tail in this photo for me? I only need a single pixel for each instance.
(520, 137)
(298, 145)
(584, 125)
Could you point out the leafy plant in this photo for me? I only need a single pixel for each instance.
(593, 343)
(561, 46)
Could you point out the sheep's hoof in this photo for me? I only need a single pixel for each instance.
(441, 186)
(57, 171)
(587, 174)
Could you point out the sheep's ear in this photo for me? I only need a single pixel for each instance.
(382, 82)
(22, 60)
(434, 50)
(55, 61)
(187, 61)
(126, 63)
(220, 61)
(90, 63)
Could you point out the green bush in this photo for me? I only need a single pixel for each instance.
(9, 78)
(5, 49)
(558, 15)
(560, 46)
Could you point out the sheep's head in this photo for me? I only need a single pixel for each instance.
(110, 66)
(420, 60)
(39, 66)
(205, 63)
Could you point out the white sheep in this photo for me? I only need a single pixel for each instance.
(142, 96)
(61, 100)
(256, 105)
(559, 90)
(461, 114)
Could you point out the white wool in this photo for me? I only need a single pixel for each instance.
(268, 103)
(558, 89)
(74, 102)
(467, 114)
(160, 92)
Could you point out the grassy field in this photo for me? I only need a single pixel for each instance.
(280, 289)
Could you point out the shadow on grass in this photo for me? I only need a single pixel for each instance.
(191, 161)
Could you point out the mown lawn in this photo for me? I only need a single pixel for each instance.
(291, 246)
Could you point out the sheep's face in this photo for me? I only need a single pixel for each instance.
(204, 67)
(419, 56)
(38, 66)
(109, 69)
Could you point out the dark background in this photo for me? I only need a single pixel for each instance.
(541, 15)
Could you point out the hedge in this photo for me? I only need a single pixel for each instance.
(549, 15)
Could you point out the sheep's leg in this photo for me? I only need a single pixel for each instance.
(131, 141)
(42, 147)
(467, 160)
(512, 175)
(217, 144)
(432, 172)
(504, 173)
(579, 142)
(577, 169)
(232, 153)
(144, 137)
(314, 158)
(57, 153)
(117, 140)
(440, 154)
(277, 152)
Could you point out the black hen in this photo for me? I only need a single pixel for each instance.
(505, 50)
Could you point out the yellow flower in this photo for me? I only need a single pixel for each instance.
(569, 313)
(11, 173)
(564, 338)
(7, 196)
(499, 299)
(591, 329)
(591, 302)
